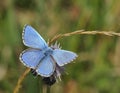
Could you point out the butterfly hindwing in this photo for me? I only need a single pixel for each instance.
(46, 67)
(32, 39)
(31, 57)
(63, 57)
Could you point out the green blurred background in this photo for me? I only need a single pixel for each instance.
(96, 70)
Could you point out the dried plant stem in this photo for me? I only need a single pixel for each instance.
(78, 32)
(20, 80)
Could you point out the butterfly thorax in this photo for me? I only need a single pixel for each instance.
(47, 51)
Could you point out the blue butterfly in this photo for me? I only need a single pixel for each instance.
(40, 56)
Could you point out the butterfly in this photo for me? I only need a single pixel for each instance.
(39, 56)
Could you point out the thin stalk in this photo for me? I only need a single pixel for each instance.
(48, 89)
(40, 85)
(20, 80)
(82, 32)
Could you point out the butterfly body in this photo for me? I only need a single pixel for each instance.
(47, 51)
(40, 56)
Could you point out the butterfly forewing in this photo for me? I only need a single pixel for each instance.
(32, 39)
(31, 57)
(63, 57)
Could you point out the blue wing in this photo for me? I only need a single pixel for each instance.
(63, 57)
(32, 39)
(46, 67)
(31, 57)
